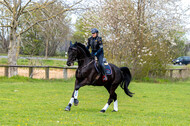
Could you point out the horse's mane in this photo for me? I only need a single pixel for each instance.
(84, 48)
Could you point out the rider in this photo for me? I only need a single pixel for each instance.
(95, 42)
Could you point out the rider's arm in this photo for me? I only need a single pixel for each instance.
(100, 50)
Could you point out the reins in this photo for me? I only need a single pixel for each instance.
(84, 59)
(87, 64)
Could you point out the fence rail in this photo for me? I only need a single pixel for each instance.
(65, 70)
(177, 69)
(31, 68)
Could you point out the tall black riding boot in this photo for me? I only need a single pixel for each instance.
(104, 77)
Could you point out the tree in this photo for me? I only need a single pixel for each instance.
(32, 42)
(52, 32)
(16, 9)
(136, 33)
(4, 40)
(55, 30)
(4, 37)
(81, 33)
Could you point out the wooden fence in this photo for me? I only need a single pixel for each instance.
(177, 69)
(65, 70)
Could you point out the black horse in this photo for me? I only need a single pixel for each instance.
(87, 74)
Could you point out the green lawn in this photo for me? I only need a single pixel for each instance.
(59, 57)
(31, 102)
(38, 62)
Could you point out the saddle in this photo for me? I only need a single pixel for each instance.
(108, 69)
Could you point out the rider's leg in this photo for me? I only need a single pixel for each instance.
(101, 64)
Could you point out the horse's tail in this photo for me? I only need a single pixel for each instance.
(126, 80)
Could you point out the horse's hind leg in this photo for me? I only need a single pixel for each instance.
(113, 97)
(115, 108)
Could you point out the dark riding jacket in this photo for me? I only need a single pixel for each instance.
(96, 45)
(97, 50)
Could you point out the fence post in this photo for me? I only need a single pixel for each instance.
(6, 71)
(65, 73)
(180, 73)
(31, 72)
(171, 73)
(47, 72)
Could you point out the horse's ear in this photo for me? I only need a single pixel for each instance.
(71, 43)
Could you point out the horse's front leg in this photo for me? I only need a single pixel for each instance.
(72, 100)
(76, 101)
(75, 94)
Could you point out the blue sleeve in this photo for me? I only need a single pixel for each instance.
(99, 51)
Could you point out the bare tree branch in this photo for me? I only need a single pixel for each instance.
(29, 18)
(49, 18)
(5, 26)
(3, 17)
(39, 7)
(8, 5)
(22, 8)
(76, 3)
(1, 2)
(42, 21)
(18, 4)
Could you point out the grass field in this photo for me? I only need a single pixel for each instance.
(31, 102)
(36, 62)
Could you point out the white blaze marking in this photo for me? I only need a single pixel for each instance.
(106, 107)
(116, 105)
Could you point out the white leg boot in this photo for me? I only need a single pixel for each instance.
(115, 106)
(105, 108)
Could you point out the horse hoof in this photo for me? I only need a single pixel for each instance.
(114, 111)
(102, 111)
(68, 108)
(76, 102)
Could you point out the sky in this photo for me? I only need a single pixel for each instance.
(186, 2)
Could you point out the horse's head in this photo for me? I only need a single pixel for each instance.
(72, 54)
(77, 51)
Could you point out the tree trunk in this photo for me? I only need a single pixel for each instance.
(12, 53)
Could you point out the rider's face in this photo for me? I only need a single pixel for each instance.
(94, 35)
